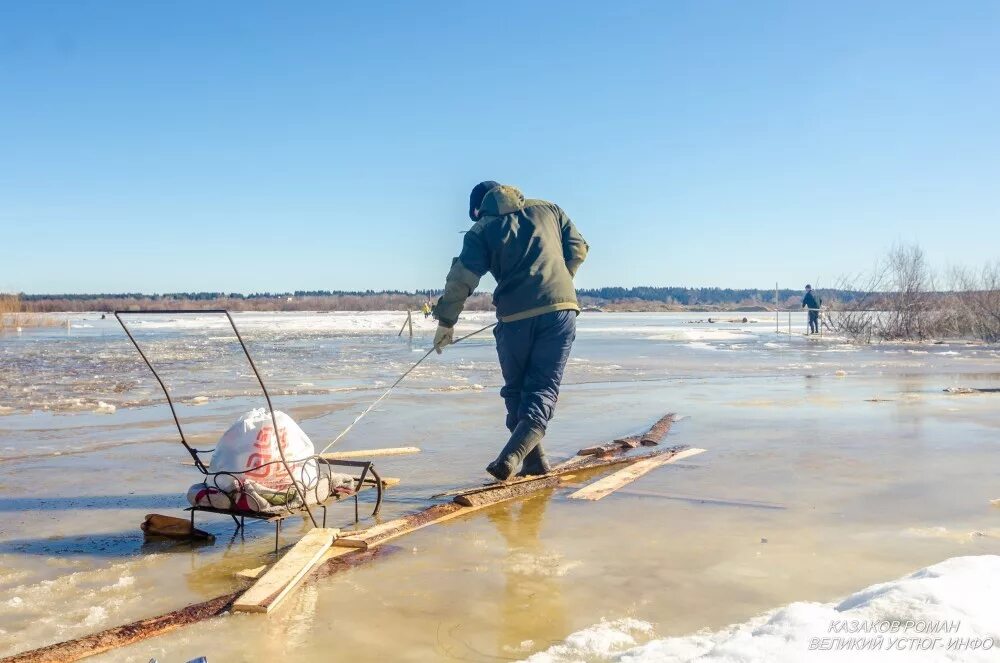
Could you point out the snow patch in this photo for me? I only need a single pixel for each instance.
(600, 642)
(962, 591)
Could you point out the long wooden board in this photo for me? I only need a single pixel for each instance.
(369, 453)
(265, 594)
(609, 484)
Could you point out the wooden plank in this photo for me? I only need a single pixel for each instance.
(252, 574)
(609, 484)
(273, 586)
(369, 453)
(362, 538)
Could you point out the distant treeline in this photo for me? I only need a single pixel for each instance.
(703, 296)
(618, 298)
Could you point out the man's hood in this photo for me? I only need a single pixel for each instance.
(500, 200)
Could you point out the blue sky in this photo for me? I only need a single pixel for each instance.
(248, 146)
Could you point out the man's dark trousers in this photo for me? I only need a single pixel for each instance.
(533, 354)
(813, 321)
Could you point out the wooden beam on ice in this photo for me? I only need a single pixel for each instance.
(659, 431)
(363, 538)
(251, 574)
(121, 636)
(369, 453)
(609, 484)
(505, 492)
(280, 579)
(622, 444)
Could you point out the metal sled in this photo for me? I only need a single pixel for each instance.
(366, 479)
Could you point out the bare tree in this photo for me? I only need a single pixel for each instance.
(977, 298)
(898, 301)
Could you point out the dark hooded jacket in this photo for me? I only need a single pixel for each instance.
(811, 300)
(530, 247)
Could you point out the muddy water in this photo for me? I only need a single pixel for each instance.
(828, 468)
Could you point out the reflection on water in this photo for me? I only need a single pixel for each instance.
(533, 607)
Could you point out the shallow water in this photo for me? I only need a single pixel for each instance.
(829, 467)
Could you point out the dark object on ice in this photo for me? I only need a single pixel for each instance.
(972, 390)
(173, 528)
(813, 303)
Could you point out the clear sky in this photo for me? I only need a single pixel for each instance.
(249, 146)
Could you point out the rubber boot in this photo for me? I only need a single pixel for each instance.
(523, 440)
(535, 463)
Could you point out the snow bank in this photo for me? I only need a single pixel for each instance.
(946, 612)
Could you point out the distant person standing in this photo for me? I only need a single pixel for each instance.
(813, 303)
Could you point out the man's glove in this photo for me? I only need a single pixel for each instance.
(444, 336)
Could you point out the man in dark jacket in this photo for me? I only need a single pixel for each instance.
(813, 303)
(533, 250)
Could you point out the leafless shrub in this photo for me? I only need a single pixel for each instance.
(898, 300)
(977, 300)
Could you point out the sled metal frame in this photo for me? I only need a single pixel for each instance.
(239, 516)
(363, 483)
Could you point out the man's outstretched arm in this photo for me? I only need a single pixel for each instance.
(462, 281)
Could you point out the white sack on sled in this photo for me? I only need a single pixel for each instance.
(249, 449)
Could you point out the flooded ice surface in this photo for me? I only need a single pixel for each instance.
(829, 468)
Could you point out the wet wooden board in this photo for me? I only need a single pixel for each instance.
(609, 484)
(252, 574)
(280, 579)
(369, 453)
(364, 537)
